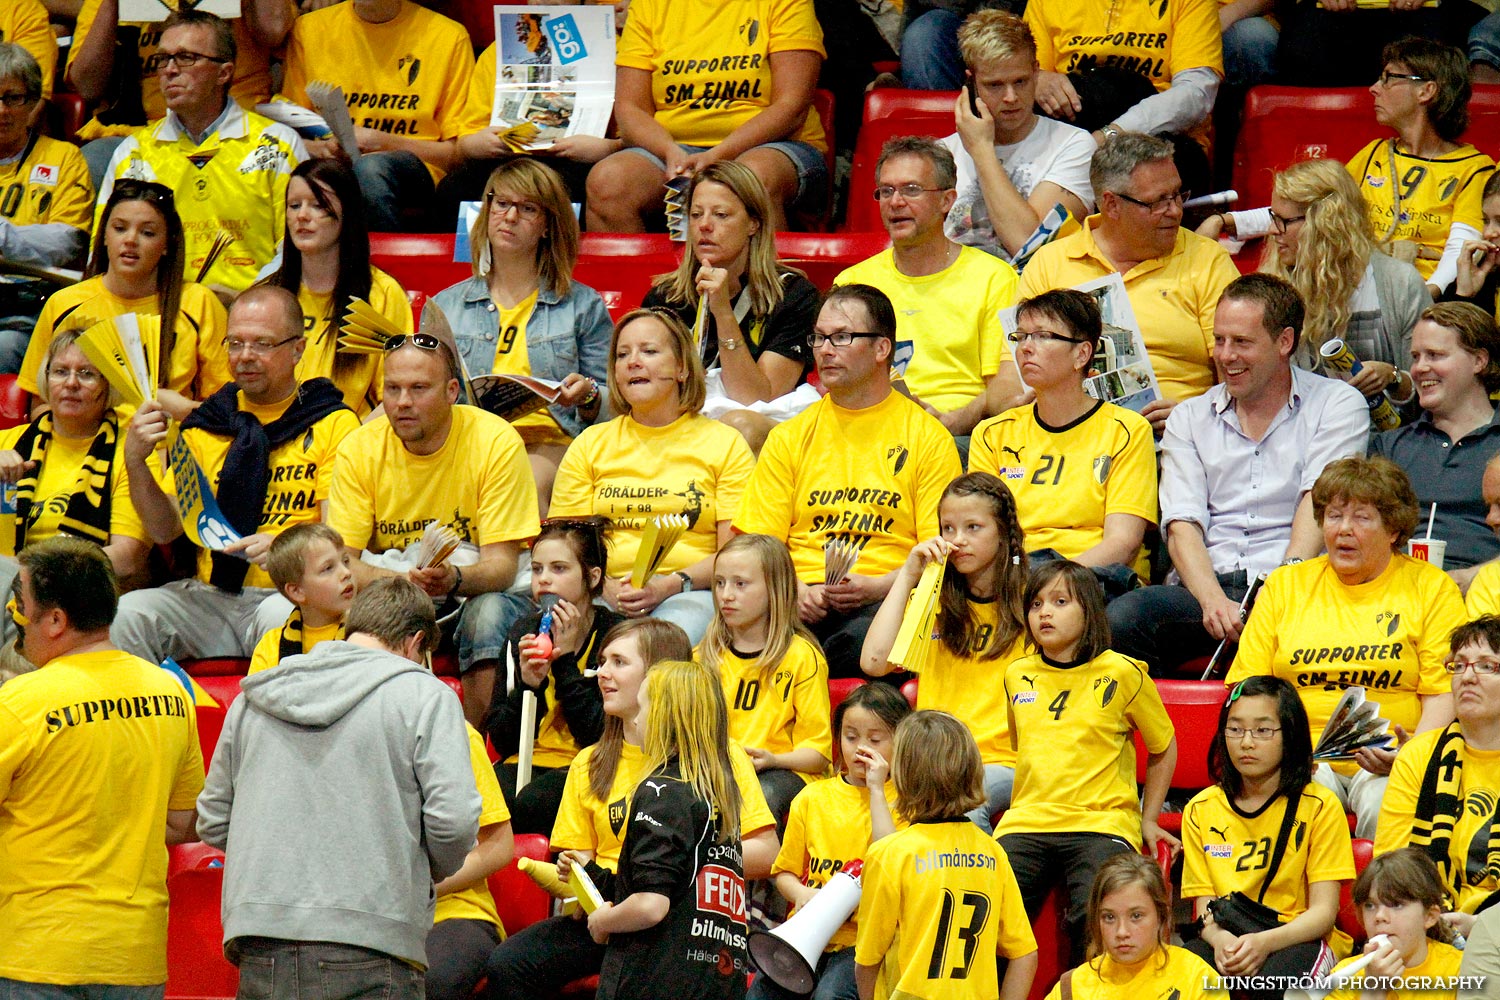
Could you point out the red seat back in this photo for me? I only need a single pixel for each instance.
(909, 691)
(864, 214)
(520, 901)
(210, 724)
(219, 666)
(1052, 947)
(623, 279)
(15, 403)
(196, 966)
(893, 102)
(822, 256)
(1348, 920)
(224, 690)
(1194, 709)
(477, 17)
(420, 262)
(840, 688)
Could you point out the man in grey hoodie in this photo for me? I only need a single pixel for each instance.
(341, 792)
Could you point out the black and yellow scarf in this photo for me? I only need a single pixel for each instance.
(87, 515)
(291, 636)
(1439, 804)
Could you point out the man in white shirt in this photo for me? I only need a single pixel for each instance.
(1013, 165)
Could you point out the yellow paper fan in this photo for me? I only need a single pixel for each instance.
(658, 535)
(118, 352)
(913, 646)
(366, 330)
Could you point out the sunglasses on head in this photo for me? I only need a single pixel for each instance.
(425, 341)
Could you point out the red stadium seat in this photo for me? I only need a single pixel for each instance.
(628, 245)
(864, 215)
(520, 901)
(420, 262)
(182, 857)
(822, 256)
(909, 691)
(893, 102)
(623, 279)
(455, 685)
(840, 688)
(222, 666)
(15, 403)
(64, 116)
(196, 966)
(477, 17)
(445, 664)
(224, 689)
(1052, 946)
(1194, 709)
(210, 724)
(1348, 919)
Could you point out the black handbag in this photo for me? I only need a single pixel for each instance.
(1237, 913)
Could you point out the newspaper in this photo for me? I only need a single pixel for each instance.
(554, 73)
(137, 11)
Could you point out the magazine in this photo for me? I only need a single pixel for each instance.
(554, 73)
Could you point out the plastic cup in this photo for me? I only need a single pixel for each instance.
(1428, 550)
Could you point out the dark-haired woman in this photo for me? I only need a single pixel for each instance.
(1268, 831)
(325, 261)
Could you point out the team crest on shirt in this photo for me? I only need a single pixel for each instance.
(617, 816)
(1390, 619)
(412, 65)
(1299, 834)
(898, 455)
(43, 173)
(1102, 465)
(750, 30)
(1105, 689)
(1171, 994)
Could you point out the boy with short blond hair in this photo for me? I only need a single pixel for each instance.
(309, 565)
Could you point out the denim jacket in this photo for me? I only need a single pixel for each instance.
(564, 335)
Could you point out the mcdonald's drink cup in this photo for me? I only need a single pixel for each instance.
(1428, 550)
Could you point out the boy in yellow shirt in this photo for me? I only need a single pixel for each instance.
(310, 567)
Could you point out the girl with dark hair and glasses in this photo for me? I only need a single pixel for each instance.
(136, 267)
(1265, 849)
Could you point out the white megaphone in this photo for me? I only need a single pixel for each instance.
(1340, 979)
(789, 955)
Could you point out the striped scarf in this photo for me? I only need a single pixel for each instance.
(87, 514)
(1439, 804)
(291, 636)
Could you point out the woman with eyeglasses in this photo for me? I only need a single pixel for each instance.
(523, 314)
(758, 314)
(1443, 786)
(63, 473)
(1265, 848)
(1423, 184)
(1083, 471)
(1363, 615)
(325, 262)
(136, 267)
(660, 456)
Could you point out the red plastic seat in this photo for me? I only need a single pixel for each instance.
(15, 403)
(420, 262)
(822, 256)
(477, 17)
(182, 857)
(520, 901)
(1194, 709)
(1052, 947)
(445, 664)
(1348, 918)
(909, 691)
(210, 724)
(219, 666)
(223, 688)
(196, 966)
(840, 688)
(455, 685)
(628, 245)
(623, 280)
(65, 115)
(893, 102)
(864, 214)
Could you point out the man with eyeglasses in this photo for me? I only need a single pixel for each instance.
(1173, 277)
(228, 168)
(948, 296)
(863, 467)
(266, 443)
(429, 460)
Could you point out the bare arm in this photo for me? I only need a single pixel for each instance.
(759, 851)
(1001, 391)
(1437, 711)
(1123, 536)
(865, 977)
(95, 56)
(182, 826)
(269, 20)
(804, 759)
(158, 511)
(637, 912)
(1185, 544)
(794, 74)
(1159, 768)
(492, 852)
(886, 625)
(1307, 537)
(128, 557)
(635, 113)
(1018, 976)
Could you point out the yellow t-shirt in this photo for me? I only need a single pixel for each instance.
(1173, 297)
(200, 361)
(267, 653)
(586, 824)
(1479, 790)
(1075, 756)
(513, 358)
(95, 748)
(408, 76)
(1060, 506)
(952, 319)
(939, 900)
(50, 183)
(479, 106)
(24, 22)
(787, 713)
(629, 472)
(1442, 962)
(710, 62)
(361, 384)
(870, 476)
(828, 827)
(60, 478)
(476, 902)
(555, 745)
(1182, 976)
(1156, 41)
(1435, 193)
(1483, 597)
(479, 483)
(965, 687)
(1389, 636)
(301, 473)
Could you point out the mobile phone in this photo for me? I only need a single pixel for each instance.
(972, 89)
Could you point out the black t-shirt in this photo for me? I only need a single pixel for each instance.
(671, 847)
(783, 332)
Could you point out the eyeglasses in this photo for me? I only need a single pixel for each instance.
(1019, 337)
(502, 206)
(18, 100)
(1259, 734)
(1491, 667)
(87, 377)
(1161, 205)
(258, 348)
(1387, 78)
(182, 60)
(1280, 223)
(841, 339)
(425, 341)
(907, 191)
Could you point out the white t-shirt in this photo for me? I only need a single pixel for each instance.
(1054, 151)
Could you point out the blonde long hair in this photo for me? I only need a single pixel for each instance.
(1334, 248)
(784, 625)
(687, 720)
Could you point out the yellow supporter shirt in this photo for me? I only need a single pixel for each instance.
(267, 652)
(479, 106)
(361, 383)
(1441, 962)
(785, 713)
(555, 745)
(200, 361)
(478, 483)
(828, 827)
(1483, 597)
(513, 358)
(1479, 790)
(25, 23)
(301, 473)
(710, 62)
(1063, 506)
(95, 748)
(1170, 972)
(1084, 716)
(408, 76)
(586, 824)
(1156, 41)
(972, 690)
(939, 901)
(1389, 636)
(870, 476)
(952, 319)
(629, 472)
(1434, 194)
(49, 182)
(59, 479)
(1173, 297)
(475, 902)
(1225, 849)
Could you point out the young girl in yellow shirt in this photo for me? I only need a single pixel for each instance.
(835, 821)
(773, 673)
(980, 621)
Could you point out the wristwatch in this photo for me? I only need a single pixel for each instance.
(687, 581)
(1111, 130)
(729, 344)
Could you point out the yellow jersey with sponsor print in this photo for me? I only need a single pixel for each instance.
(25, 23)
(972, 690)
(48, 182)
(784, 710)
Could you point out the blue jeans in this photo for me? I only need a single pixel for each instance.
(1484, 41)
(272, 969)
(485, 623)
(15, 989)
(930, 59)
(391, 182)
(835, 981)
(1250, 52)
(998, 782)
